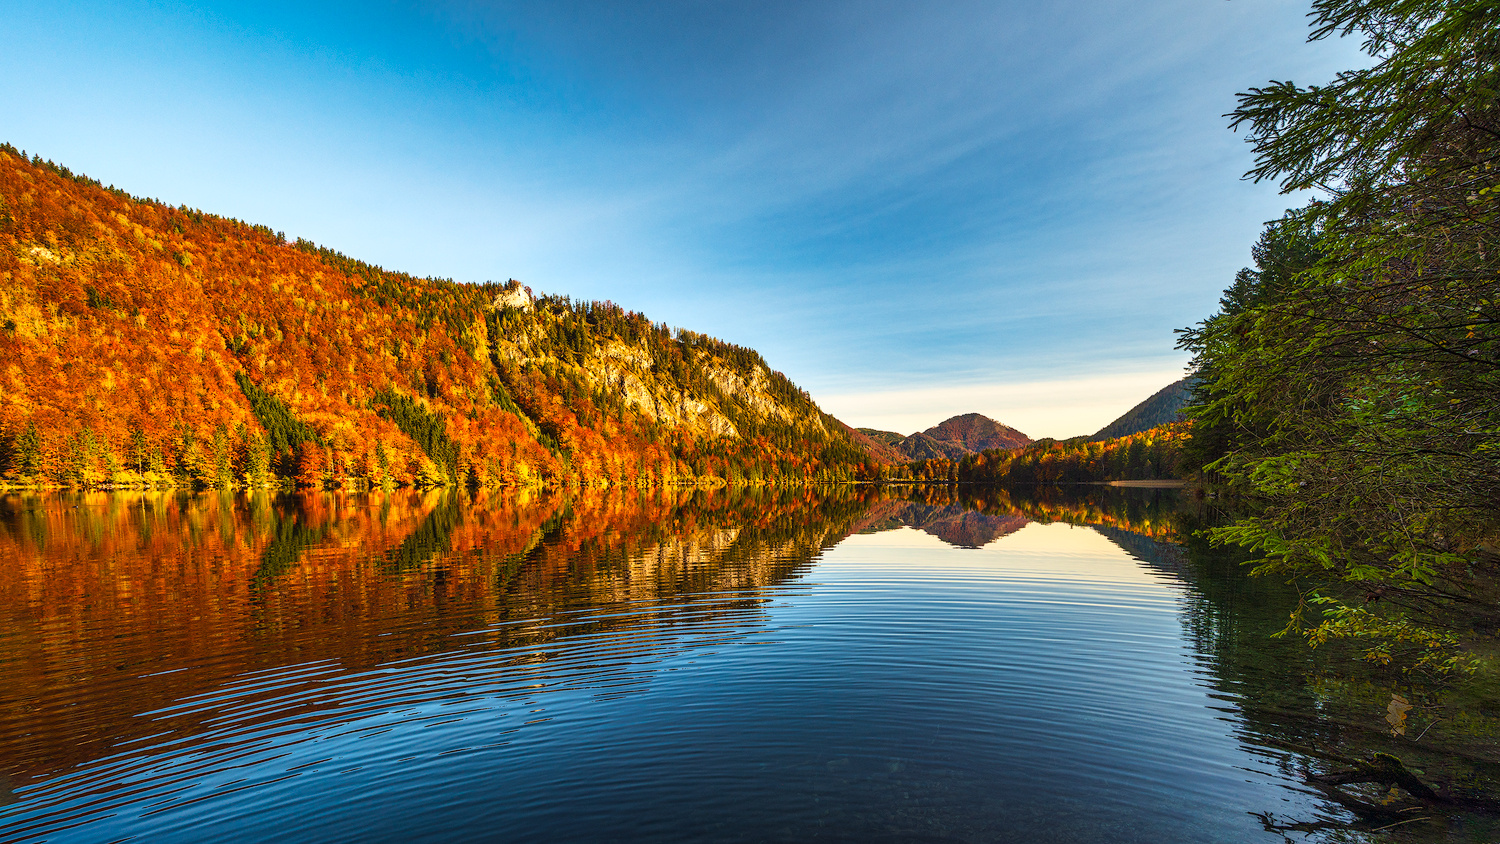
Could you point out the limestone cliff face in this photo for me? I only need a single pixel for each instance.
(717, 392)
(513, 295)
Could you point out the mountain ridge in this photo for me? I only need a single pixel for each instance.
(156, 346)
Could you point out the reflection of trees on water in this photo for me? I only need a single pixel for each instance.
(1153, 513)
(432, 537)
(120, 604)
(1298, 710)
(1230, 619)
(1293, 712)
(1304, 711)
(290, 538)
(114, 605)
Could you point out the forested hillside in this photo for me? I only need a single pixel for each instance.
(1163, 407)
(976, 449)
(1151, 455)
(879, 444)
(149, 345)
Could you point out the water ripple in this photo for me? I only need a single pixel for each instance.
(707, 683)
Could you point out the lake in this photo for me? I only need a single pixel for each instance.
(840, 664)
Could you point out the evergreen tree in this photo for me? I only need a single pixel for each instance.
(1349, 381)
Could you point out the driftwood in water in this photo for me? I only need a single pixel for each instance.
(1421, 802)
(1382, 769)
(1379, 769)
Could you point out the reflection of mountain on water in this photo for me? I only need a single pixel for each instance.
(974, 530)
(972, 517)
(956, 523)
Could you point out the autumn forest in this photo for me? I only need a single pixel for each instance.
(156, 346)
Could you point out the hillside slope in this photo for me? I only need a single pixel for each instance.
(881, 445)
(144, 344)
(1163, 407)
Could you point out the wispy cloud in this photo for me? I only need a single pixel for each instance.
(874, 194)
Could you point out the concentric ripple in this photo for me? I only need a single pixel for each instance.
(640, 670)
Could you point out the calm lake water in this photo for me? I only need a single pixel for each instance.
(844, 665)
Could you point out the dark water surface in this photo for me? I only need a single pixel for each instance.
(796, 666)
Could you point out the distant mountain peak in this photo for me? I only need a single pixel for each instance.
(969, 433)
(976, 432)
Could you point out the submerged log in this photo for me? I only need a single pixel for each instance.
(1381, 769)
(1388, 770)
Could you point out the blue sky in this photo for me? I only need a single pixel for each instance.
(913, 209)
